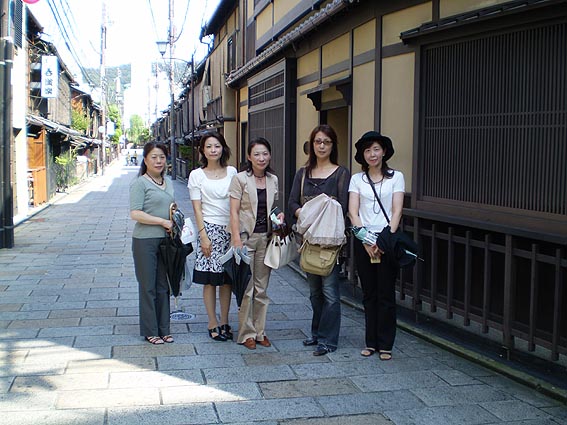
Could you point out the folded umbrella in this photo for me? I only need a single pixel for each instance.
(399, 248)
(236, 265)
(173, 252)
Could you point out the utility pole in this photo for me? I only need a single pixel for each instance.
(6, 193)
(103, 85)
(173, 150)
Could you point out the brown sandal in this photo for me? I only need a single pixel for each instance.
(167, 338)
(155, 340)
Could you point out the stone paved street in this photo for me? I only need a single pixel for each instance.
(70, 352)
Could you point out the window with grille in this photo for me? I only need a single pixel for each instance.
(494, 120)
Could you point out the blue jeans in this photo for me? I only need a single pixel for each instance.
(326, 304)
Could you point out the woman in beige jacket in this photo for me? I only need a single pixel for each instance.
(252, 195)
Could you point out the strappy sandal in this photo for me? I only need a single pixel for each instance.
(168, 338)
(154, 340)
(225, 330)
(216, 334)
(385, 355)
(367, 352)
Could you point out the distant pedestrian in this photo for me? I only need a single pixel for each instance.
(208, 190)
(151, 195)
(322, 174)
(252, 196)
(377, 275)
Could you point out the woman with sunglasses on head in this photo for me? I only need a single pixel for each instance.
(252, 196)
(151, 195)
(377, 275)
(322, 174)
(208, 191)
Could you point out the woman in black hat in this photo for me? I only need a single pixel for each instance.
(377, 275)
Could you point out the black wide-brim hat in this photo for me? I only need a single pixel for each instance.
(366, 141)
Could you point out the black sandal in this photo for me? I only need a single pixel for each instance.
(216, 334)
(225, 331)
(154, 340)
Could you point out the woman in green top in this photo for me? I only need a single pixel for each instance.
(151, 194)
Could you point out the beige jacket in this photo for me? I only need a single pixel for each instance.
(243, 187)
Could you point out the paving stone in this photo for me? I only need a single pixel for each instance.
(261, 410)
(211, 393)
(309, 388)
(66, 382)
(396, 381)
(175, 349)
(521, 392)
(442, 415)
(33, 369)
(301, 357)
(155, 379)
(559, 412)
(24, 315)
(75, 331)
(52, 306)
(37, 401)
(87, 312)
(64, 353)
(119, 320)
(59, 417)
(372, 419)
(80, 399)
(13, 357)
(352, 404)
(190, 414)
(45, 323)
(36, 343)
(108, 340)
(513, 410)
(456, 377)
(6, 383)
(249, 374)
(447, 395)
(336, 370)
(113, 304)
(111, 365)
(200, 362)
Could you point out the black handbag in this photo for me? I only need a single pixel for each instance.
(400, 249)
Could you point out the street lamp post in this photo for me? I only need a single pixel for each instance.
(162, 46)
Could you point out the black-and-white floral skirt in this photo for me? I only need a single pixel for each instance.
(208, 270)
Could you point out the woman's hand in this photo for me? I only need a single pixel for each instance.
(236, 242)
(167, 225)
(373, 251)
(206, 246)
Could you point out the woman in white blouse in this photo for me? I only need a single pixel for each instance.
(208, 190)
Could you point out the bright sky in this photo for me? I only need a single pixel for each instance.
(133, 27)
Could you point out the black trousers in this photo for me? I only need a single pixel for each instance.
(152, 286)
(378, 297)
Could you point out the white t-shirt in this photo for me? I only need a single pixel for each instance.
(369, 209)
(213, 194)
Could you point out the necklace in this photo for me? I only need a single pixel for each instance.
(152, 179)
(259, 177)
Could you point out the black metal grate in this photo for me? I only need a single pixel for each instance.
(495, 120)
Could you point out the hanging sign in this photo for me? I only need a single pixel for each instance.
(49, 76)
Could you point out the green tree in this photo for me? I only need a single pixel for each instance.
(137, 131)
(80, 121)
(114, 116)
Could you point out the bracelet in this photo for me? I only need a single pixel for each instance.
(202, 229)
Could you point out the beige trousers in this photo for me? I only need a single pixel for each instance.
(254, 307)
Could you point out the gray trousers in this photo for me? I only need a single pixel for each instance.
(152, 287)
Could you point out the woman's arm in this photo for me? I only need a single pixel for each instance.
(206, 244)
(145, 218)
(397, 207)
(294, 203)
(235, 240)
(353, 208)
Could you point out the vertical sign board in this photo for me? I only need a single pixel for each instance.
(49, 76)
